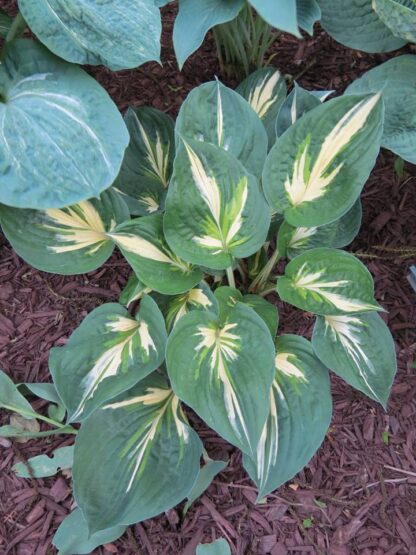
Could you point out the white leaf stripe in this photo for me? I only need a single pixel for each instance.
(220, 118)
(157, 156)
(267, 449)
(302, 187)
(288, 364)
(300, 236)
(261, 98)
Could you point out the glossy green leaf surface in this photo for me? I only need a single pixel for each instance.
(143, 244)
(224, 371)
(299, 417)
(219, 547)
(43, 466)
(195, 18)
(215, 114)
(318, 167)
(71, 240)
(118, 35)
(396, 81)
(359, 349)
(135, 457)
(73, 536)
(399, 16)
(355, 24)
(328, 281)
(62, 138)
(215, 210)
(147, 165)
(283, 18)
(107, 354)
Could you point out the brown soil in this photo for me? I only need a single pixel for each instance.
(364, 475)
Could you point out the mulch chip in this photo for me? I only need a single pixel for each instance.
(358, 494)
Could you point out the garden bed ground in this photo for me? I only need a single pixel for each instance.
(363, 477)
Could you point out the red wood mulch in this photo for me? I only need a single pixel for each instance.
(363, 477)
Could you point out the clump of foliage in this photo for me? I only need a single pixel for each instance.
(241, 181)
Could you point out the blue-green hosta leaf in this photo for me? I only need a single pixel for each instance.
(299, 417)
(143, 244)
(11, 399)
(219, 547)
(359, 349)
(399, 16)
(318, 167)
(133, 291)
(197, 298)
(308, 12)
(207, 473)
(283, 17)
(74, 538)
(354, 23)
(227, 297)
(195, 18)
(296, 240)
(215, 114)
(135, 457)
(265, 91)
(45, 391)
(147, 165)
(328, 281)
(43, 466)
(107, 354)
(396, 80)
(5, 24)
(118, 35)
(71, 240)
(62, 138)
(215, 210)
(224, 371)
(298, 102)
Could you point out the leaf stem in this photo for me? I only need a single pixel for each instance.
(230, 277)
(17, 27)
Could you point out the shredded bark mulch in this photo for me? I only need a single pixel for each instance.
(358, 494)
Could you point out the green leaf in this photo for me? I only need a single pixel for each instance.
(227, 298)
(143, 244)
(19, 432)
(267, 311)
(224, 371)
(300, 414)
(298, 102)
(396, 80)
(359, 349)
(327, 282)
(74, 538)
(133, 291)
(135, 457)
(265, 91)
(195, 18)
(147, 165)
(43, 466)
(197, 298)
(11, 399)
(5, 23)
(45, 391)
(399, 16)
(308, 12)
(215, 210)
(285, 18)
(62, 138)
(219, 547)
(215, 114)
(296, 240)
(120, 36)
(71, 240)
(356, 25)
(206, 475)
(318, 167)
(107, 354)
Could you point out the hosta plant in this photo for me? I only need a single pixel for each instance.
(218, 198)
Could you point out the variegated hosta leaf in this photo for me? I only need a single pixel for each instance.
(328, 281)
(296, 240)
(399, 16)
(354, 23)
(213, 113)
(143, 244)
(317, 168)
(147, 165)
(396, 80)
(299, 416)
(70, 240)
(135, 457)
(265, 91)
(227, 298)
(308, 12)
(224, 371)
(215, 210)
(133, 290)
(359, 349)
(197, 298)
(298, 102)
(284, 18)
(107, 354)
